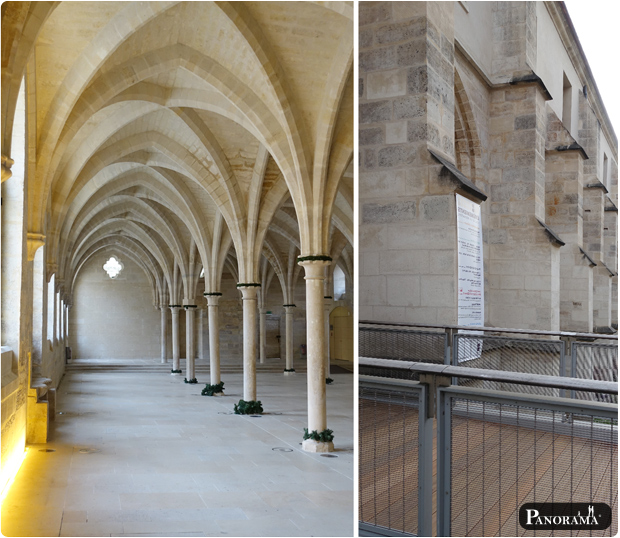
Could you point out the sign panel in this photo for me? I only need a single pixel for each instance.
(470, 273)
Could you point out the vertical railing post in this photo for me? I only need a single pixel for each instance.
(444, 462)
(425, 464)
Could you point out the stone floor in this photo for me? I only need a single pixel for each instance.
(147, 455)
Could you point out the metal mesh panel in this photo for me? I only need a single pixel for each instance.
(506, 455)
(542, 357)
(595, 361)
(388, 459)
(400, 344)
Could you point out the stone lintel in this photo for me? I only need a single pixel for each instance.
(532, 78)
(574, 147)
(598, 185)
(588, 257)
(555, 238)
(464, 182)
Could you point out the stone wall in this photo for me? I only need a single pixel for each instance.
(114, 318)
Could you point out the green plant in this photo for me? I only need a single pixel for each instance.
(193, 380)
(176, 372)
(289, 369)
(210, 390)
(329, 381)
(251, 407)
(323, 437)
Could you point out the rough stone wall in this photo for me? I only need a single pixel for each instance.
(406, 108)
(114, 318)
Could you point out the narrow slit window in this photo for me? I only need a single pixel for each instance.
(567, 103)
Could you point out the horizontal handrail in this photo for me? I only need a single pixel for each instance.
(593, 336)
(520, 378)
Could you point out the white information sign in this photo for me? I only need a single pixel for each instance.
(470, 273)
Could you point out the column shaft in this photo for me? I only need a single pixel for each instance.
(176, 351)
(201, 330)
(288, 312)
(189, 344)
(249, 343)
(263, 334)
(315, 314)
(214, 339)
(164, 334)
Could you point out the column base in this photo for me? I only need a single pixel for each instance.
(310, 445)
(289, 372)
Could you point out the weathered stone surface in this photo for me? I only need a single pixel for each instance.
(384, 213)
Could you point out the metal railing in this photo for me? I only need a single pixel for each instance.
(592, 356)
(495, 450)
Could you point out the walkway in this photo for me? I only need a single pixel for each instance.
(144, 454)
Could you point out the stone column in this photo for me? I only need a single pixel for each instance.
(249, 341)
(288, 313)
(201, 330)
(164, 334)
(262, 321)
(315, 336)
(214, 336)
(329, 300)
(176, 359)
(189, 343)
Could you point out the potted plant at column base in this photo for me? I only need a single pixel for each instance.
(193, 380)
(318, 441)
(213, 390)
(251, 407)
(175, 372)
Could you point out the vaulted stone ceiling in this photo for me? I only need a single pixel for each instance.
(185, 134)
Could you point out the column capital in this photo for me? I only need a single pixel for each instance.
(34, 242)
(7, 162)
(249, 292)
(213, 299)
(242, 285)
(188, 306)
(175, 308)
(289, 305)
(314, 266)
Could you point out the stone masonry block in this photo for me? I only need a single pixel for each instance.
(527, 121)
(376, 112)
(411, 54)
(371, 12)
(403, 290)
(417, 79)
(366, 37)
(417, 131)
(372, 290)
(387, 213)
(438, 290)
(383, 84)
(404, 262)
(384, 183)
(442, 262)
(401, 31)
(425, 238)
(371, 136)
(377, 59)
(412, 106)
(437, 208)
(396, 156)
(396, 132)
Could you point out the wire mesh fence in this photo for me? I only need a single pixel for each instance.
(388, 459)
(400, 344)
(503, 455)
(594, 361)
(543, 357)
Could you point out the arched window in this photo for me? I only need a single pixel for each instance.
(340, 285)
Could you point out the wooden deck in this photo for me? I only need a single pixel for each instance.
(495, 469)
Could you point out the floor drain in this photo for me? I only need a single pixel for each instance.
(61, 412)
(328, 456)
(88, 450)
(224, 413)
(256, 416)
(276, 413)
(46, 450)
(282, 449)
